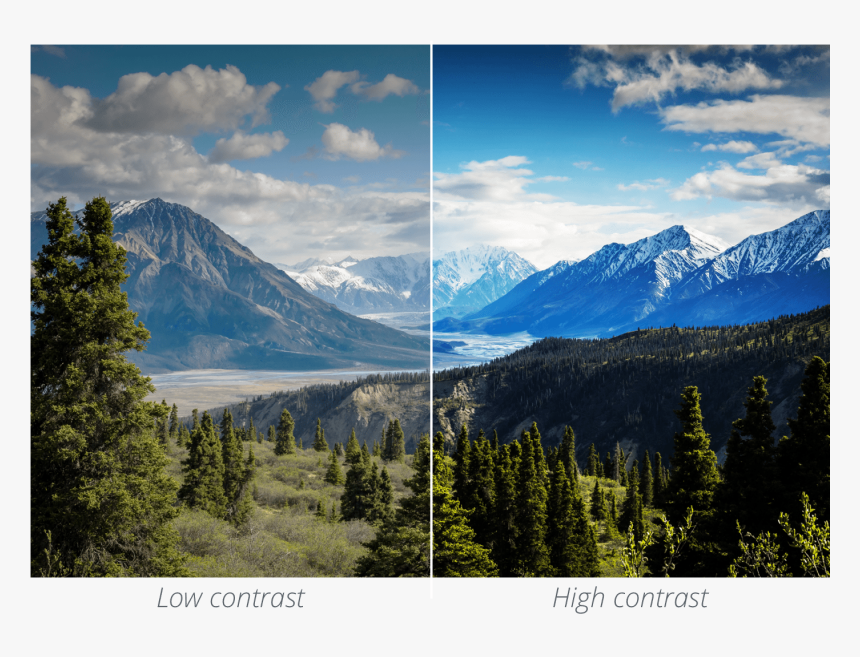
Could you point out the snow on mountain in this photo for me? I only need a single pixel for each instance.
(467, 280)
(373, 285)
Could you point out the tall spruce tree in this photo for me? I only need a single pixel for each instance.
(567, 454)
(98, 484)
(532, 555)
(174, 423)
(271, 435)
(234, 465)
(285, 441)
(647, 482)
(504, 513)
(572, 547)
(598, 503)
(334, 475)
(659, 481)
(203, 487)
(455, 552)
(319, 445)
(593, 461)
(395, 443)
(481, 491)
(461, 465)
(353, 450)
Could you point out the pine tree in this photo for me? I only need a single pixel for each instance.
(353, 451)
(338, 450)
(495, 442)
(568, 537)
(382, 510)
(532, 555)
(647, 482)
(598, 503)
(659, 481)
(334, 475)
(618, 462)
(455, 552)
(184, 437)
(234, 466)
(321, 511)
(245, 504)
(320, 445)
(504, 512)
(593, 461)
(395, 443)
(567, 454)
(461, 465)
(203, 487)
(271, 436)
(98, 483)
(359, 489)
(804, 457)
(482, 490)
(174, 423)
(285, 441)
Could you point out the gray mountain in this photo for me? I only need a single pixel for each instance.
(466, 281)
(209, 302)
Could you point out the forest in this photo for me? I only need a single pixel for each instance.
(519, 510)
(121, 487)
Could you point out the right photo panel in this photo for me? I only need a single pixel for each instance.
(631, 311)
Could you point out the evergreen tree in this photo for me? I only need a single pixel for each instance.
(572, 546)
(234, 466)
(631, 510)
(598, 503)
(252, 430)
(495, 442)
(338, 450)
(359, 489)
(321, 513)
(646, 484)
(203, 487)
(481, 490)
(455, 552)
(163, 425)
(320, 445)
(334, 475)
(244, 507)
(504, 513)
(461, 465)
(285, 441)
(174, 423)
(382, 510)
(365, 453)
(532, 556)
(395, 443)
(101, 502)
(618, 463)
(593, 461)
(612, 508)
(353, 451)
(609, 467)
(567, 454)
(804, 457)
(659, 481)
(184, 437)
(271, 436)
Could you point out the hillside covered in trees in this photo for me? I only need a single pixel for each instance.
(624, 389)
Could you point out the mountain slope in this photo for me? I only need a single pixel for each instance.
(210, 302)
(465, 281)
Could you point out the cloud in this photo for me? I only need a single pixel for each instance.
(390, 85)
(73, 159)
(643, 187)
(247, 147)
(182, 102)
(56, 51)
(801, 119)
(732, 147)
(582, 165)
(552, 179)
(495, 180)
(325, 88)
(360, 146)
(781, 183)
(352, 179)
(663, 72)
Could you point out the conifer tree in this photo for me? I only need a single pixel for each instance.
(245, 505)
(98, 482)
(359, 489)
(184, 436)
(495, 443)
(174, 423)
(285, 441)
(618, 462)
(321, 513)
(455, 552)
(598, 503)
(395, 442)
(612, 508)
(593, 461)
(461, 465)
(319, 445)
(383, 496)
(252, 430)
(338, 449)
(609, 467)
(203, 487)
(504, 513)
(532, 556)
(365, 453)
(271, 436)
(353, 451)
(567, 454)
(659, 481)
(572, 547)
(334, 475)
(646, 484)
(481, 491)
(804, 456)
(234, 466)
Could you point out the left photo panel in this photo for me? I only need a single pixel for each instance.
(230, 309)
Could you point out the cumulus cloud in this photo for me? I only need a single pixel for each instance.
(325, 88)
(390, 85)
(247, 147)
(732, 147)
(798, 118)
(664, 72)
(182, 102)
(496, 180)
(361, 146)
(73, 159)
(780, 183)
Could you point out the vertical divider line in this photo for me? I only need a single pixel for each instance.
(431, 321)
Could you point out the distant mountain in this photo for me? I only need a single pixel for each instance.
(375, 285)
(679, 275)
(209, 302)
(468, 280)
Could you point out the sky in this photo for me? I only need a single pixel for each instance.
(295, 151)
(556, 151)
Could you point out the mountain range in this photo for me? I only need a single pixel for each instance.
(209, 302)
(678, 276)
(468, 280)
(374, 285)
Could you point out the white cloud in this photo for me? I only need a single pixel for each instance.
(582, 165)
(247, 147)
(643, 187)
(552, 179)
(56, 51)
(325, 88)
(732, 147)
(798, 118)
(182, 102)
(790, 185)
(74, 160)
(496, 180)
(390, 85)
(664, 72)
(360, 146)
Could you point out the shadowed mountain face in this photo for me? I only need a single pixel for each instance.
(679, 276)
(209, 302)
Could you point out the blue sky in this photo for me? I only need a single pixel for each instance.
(554, 151)
(297, 151)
